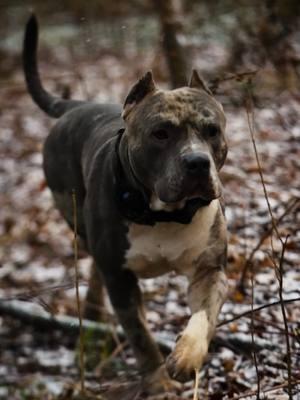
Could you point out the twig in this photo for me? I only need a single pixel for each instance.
(214, 84)
(252, 338)
(248, 312)
(196, 387)
(289, 207)
(278, 269)
(250, 119)
(34, 293)
(78, 75)
(113, 354)
(32, 314)
(279, 332)
(267, 390)
(283, 311)
(26, 297)
(81, 334)
(279, 329)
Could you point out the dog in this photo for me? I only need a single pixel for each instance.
(148, 201)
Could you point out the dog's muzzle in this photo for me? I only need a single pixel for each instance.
(198, 171)
(196, 165)
(195, 179)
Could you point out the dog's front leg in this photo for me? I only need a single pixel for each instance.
(206, 294)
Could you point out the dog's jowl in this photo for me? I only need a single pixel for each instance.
(148, 201)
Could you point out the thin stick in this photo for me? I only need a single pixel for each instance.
(289, 207)
(118, 350)
(252, 338)
(250, 118)
(78, 75)
(278, 268)
(196, 387)
(81, 337)
(214, 84)
(247, 313)
(283, 311)
(279, 330)
(35, 293)
(272, 389)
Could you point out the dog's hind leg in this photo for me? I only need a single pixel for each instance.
(94, 301)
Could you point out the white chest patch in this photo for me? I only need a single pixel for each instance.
(167, 246)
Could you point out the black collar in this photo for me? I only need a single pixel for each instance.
(134, 204)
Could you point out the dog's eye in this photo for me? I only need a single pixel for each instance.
(160, 134)
(212, 130)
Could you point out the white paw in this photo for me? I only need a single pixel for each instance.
(188, 356)
(190, 350)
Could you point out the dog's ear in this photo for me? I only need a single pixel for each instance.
(197, 82)
(140, 90)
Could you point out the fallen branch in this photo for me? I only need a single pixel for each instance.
(33, 314)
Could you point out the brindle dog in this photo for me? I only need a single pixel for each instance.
(148, 201)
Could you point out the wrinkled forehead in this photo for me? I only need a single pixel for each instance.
(182, 106)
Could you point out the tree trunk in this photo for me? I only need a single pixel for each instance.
(170, 15)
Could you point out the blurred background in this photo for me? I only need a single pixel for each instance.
(248, 51)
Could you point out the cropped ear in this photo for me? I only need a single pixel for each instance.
(140, 90)
(197, 82)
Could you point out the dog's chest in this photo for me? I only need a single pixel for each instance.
(155, 250)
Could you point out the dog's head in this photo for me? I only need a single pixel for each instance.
(176, 143)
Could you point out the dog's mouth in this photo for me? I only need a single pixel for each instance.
(156, 204)
(170, 199)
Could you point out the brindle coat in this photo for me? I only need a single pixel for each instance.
(147, 192)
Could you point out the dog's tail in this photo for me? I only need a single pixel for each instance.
(53, 106)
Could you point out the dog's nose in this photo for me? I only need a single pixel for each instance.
(196, 163)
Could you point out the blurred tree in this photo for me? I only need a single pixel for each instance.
(170, 15)
(265, 34)
(278, 22)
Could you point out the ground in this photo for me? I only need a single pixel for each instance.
(37, 267)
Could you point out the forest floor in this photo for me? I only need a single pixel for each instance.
(37, 268)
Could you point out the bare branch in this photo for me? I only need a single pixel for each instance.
(289, 207)
(239, 77)
(283, 311)
(278, 268)
(248, 312)
(81, 335)
(252, 338)
(272, 389)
